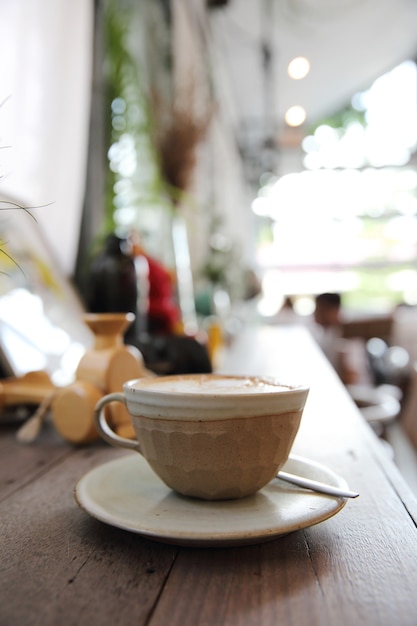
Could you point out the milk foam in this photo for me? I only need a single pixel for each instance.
(213, 385)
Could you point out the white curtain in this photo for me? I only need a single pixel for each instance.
(45, 85)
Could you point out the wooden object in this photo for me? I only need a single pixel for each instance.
(60, 566)
(103, 369)
(109, 363)
(72, 411)
(31, 388)
(32, 427)
(368, 327)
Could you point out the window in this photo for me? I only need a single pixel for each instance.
(348, 221)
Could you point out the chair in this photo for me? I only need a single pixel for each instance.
(408, 417)
(379, 406)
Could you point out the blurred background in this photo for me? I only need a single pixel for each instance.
(261, 152)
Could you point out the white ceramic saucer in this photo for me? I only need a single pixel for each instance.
(127, 494)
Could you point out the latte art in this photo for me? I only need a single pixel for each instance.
(213, 385)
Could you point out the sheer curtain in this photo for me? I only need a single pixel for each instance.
(45, 87)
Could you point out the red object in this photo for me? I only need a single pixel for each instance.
(164, 315)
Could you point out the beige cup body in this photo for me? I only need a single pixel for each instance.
(214, 449)
(221, 459)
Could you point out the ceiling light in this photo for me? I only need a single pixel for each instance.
(298, 68)
(295, 116)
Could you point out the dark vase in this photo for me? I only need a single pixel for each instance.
(113, 281)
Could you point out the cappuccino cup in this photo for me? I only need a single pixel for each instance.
(209, 436)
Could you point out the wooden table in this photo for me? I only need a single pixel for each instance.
(60, 566)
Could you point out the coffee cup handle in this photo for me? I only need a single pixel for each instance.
(103, 427)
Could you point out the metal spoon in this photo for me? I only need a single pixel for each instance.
(315, 485)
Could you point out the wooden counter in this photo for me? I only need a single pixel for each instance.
(60, 566)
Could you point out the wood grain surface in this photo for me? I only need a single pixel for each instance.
(59, 566)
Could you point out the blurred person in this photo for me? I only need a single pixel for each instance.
(327, 310)
(348, 356)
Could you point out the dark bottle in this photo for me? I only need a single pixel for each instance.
(112, 280)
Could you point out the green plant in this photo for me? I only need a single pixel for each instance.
(12, 206)
(128, 122)
(142, 108)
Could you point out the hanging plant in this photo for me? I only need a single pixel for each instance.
(178, 131)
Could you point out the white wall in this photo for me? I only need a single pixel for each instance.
(45, 70)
